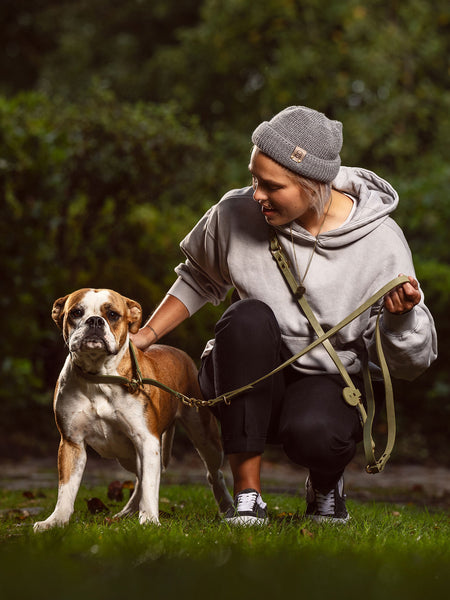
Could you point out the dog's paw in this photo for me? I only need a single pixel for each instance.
(124, 514)
(147, 519)
(43, 526)
(49, 524)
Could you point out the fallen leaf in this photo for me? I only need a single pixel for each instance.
(306, 533)
(19, 514)
(115, 491)
(28, 495)
(95, 505)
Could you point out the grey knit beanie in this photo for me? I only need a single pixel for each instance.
(303, 140)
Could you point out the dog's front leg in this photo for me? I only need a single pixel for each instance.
(148, 450)
(71, 463)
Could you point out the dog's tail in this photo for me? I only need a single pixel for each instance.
(166, 446)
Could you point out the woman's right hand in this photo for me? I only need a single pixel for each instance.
(169, 314)
(144, 338)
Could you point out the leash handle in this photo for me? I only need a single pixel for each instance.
(375, 465)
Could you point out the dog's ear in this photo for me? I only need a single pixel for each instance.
(58, 310)
(134, 315)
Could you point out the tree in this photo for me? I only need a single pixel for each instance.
(91, 199)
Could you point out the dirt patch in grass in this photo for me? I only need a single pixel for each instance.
(406, 483)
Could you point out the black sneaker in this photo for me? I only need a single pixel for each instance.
(249, 509)
(326, 508)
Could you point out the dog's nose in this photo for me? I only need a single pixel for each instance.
(95, 322)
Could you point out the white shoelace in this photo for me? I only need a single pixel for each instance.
(325, 503)
(246, 502)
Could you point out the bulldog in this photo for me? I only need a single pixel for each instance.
(134, 425)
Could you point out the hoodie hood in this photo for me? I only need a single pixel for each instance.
(375, 200)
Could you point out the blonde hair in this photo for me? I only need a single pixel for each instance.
(317, 193)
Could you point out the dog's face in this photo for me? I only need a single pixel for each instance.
(96, 322)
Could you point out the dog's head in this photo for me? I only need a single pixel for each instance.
(95, 322)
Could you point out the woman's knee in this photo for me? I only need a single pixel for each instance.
(302, 439)
(316, 425)
(248, 321)
(315, 444)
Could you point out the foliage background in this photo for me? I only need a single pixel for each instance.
(121, 122)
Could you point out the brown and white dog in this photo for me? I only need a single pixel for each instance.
(137, 428)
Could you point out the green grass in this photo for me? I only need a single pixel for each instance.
(386, 551)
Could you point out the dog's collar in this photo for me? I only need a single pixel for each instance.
(133, 384)
(136, 383)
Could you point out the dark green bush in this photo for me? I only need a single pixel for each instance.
(98, 195)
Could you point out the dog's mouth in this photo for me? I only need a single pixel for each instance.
(93, 342)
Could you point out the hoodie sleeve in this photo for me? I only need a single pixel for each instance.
(409, 340)
(204, 276)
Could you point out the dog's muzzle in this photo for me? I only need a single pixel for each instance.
(94, 336)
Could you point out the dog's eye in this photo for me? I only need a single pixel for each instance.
(112, 315)
(76, 313)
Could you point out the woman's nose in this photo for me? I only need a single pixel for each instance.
(258, 194)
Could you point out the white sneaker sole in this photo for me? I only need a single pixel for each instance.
(329, 520)
(246, 521)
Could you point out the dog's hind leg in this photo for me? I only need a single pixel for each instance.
(132, 506)
(203, 431)
(166, 446)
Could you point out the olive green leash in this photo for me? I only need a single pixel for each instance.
(350, 393)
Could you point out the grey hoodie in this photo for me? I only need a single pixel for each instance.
(229, 248)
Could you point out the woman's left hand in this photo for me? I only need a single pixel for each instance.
(403, 298)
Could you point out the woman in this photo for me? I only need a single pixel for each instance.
(333, 223)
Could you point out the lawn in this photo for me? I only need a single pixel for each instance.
(386, 551)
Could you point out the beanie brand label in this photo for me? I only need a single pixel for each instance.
(298, 155)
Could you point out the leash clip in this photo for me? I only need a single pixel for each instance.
(191, 402)
(134, 385)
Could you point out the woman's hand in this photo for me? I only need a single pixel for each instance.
(144, 338)
(169, 314)
(402, 298)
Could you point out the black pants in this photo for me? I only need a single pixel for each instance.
(306, 414)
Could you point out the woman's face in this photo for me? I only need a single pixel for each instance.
(280, 196)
